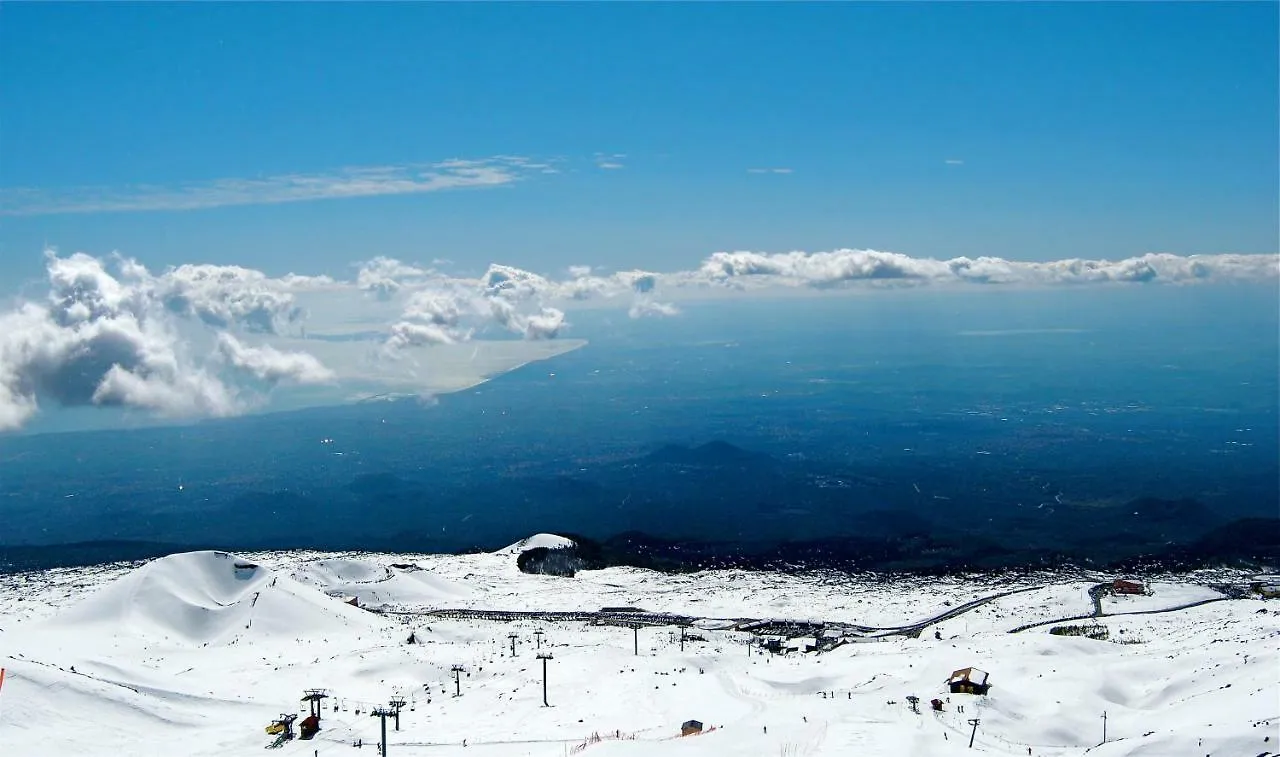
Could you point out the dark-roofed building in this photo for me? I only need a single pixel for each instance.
(1127, 586)
(690, 727)
(969, 681)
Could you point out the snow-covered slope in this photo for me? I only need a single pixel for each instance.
(549, 541)
(379, 583)
(190, 655)
(207, 597)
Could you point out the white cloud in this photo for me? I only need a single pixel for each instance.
(432, 317)
(954, 162)
(273, 366)
(226, 295)
(411, 334)
(610, 162)
(770, 170)
(847, 267)
(644, 307)
(181, 342)
(545, 324)
(109, 333)
(178, 394)
(360, 181)
(383, 276)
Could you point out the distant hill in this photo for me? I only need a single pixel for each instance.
(1252, 541)
(716, 453)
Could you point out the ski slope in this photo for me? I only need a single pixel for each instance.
(195, 654)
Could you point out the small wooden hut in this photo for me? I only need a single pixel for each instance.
(969, 681)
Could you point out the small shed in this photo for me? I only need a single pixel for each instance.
(969, 681)
(309, 726)
(690, 727)
(1127, 586)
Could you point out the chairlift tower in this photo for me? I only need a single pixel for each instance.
(457, 680)
(383, 713)
(397, 704)
(544, 656)
(315, 697)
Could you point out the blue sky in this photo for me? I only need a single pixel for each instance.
(1024, 130)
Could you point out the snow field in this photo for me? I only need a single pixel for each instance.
(189, 656)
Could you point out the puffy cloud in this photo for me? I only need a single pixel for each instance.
(273, 366)
(845, 267)
(511, 298)
(384, 276)
(108, 358)
(110, 334)
(643, 307)
(515, 284)
(410, 334)
(544, 325)
(178, 394)
(439, 308)
(223, 295)
(431, 317)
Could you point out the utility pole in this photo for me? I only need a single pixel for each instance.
(1104, 726)
(681, 638)
(512, 636)
(538, 635)
(973, 722)
(635, 629)
(544, 656)
(384, 714)
(457, 681)
(396, 704)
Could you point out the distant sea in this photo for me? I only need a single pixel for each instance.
(945, 402)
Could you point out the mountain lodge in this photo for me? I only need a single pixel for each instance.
(968, 681)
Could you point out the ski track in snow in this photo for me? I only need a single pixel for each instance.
(192, 655)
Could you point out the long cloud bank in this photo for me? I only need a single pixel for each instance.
(192, 341)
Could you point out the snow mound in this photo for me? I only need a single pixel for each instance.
(335, 571)
(373, 583)
(550, 541)
(209, 598)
